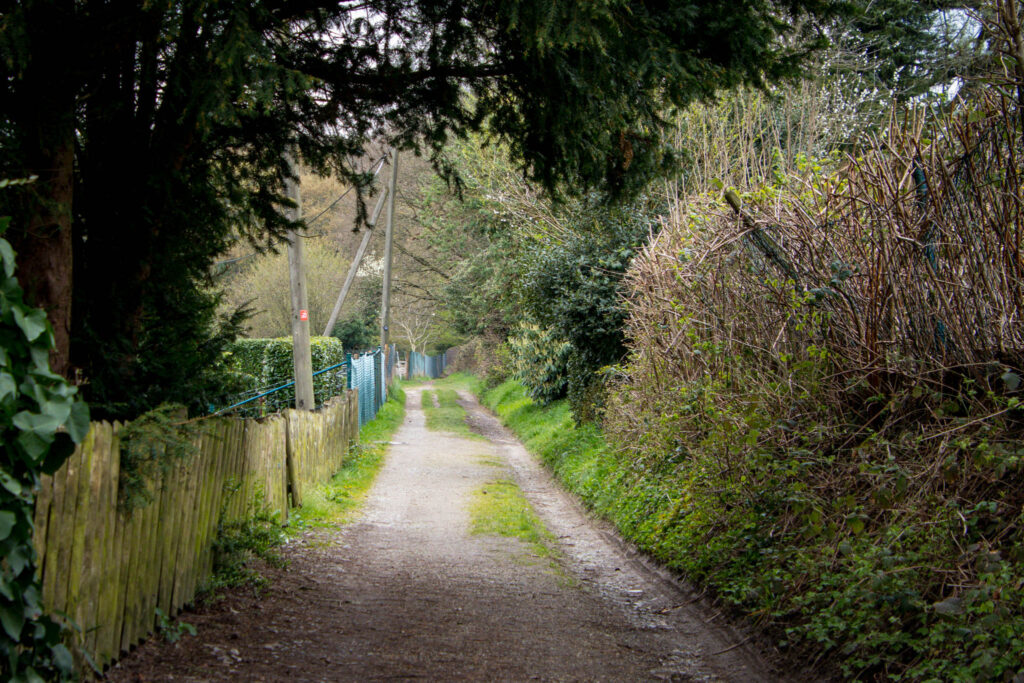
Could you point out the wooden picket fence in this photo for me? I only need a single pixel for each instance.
(109, 572)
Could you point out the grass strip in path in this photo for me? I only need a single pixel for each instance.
(499, 508)
(461, 381)
(337, 501)
(577, 454)
(444, 414)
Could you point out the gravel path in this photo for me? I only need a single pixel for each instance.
(408, 593)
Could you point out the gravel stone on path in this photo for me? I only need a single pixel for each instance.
(408, 593)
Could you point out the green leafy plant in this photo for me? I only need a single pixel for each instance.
(172, 629)
(540, 361)
(258, 534)
(356, 333)
(41, 419)
(572, 286)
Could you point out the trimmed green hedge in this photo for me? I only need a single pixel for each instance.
(269, 363)
(247, 356)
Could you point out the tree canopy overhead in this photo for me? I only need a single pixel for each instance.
(158, 132)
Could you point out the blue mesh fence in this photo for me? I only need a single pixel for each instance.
(422, 365)
(368, 372)
(363, 377)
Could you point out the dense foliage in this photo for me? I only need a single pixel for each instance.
(356, 333)
(906, 48)
(511, 253)
(546, 274)
(468, 247)
(159, 133)
(572, 286)
(820, 417)
(41, 418)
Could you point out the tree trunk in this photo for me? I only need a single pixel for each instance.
(45, 250)
(44, 118)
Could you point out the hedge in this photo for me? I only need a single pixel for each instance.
(269, 363)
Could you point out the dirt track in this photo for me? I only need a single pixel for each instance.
(407, 592)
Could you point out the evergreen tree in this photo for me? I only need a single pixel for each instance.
(909, 46)
(158, 133)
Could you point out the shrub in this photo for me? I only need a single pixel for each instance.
(539, 361)
(247, 356)
(356, 333)
(485, 357)
(572, 287)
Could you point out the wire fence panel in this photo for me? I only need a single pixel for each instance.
(422, 365)
(363, 378)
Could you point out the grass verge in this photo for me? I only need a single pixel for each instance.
(337, 501)
(578, 455)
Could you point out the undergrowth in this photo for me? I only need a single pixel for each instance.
(239, 542)
(856, 583)
(338, 500)
(172, 629)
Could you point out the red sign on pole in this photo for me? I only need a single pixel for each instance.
(303, 314)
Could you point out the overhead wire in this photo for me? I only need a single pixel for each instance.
(379, 163)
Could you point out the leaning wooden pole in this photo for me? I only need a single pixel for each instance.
(354, 268)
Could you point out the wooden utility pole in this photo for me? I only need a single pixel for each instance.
(301, 353)
(385, 305)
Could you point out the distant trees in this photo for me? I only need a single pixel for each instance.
(907, 47)
(414, 324)
(262, 285)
